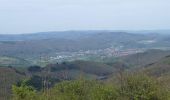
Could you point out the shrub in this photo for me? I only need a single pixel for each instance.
(142, 87)
(23, 92)
(72, 90)
(103, 92)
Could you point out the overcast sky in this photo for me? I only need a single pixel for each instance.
(26, 16)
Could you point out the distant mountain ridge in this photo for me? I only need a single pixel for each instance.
(45, 35)
(71, 34)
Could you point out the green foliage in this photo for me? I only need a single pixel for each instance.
(83, 90)
(23, 92)
(142, 87)
(133, 87)
(72, 90)
(103, 92)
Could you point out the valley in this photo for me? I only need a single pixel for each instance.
(50, 47)
(43, 60)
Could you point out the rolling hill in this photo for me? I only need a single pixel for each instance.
(160, 68)
(51, 42)
(145, 58)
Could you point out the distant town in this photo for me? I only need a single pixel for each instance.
(102, 53)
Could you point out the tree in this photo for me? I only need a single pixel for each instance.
(72, 90)
(23, 92)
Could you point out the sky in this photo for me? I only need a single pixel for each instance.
(29, 16)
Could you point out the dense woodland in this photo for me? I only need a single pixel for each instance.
(124, 87)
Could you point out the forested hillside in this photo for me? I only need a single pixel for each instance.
(129, 87)
(93, 80)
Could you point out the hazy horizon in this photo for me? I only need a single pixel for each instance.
(143, 31)
(30, 16)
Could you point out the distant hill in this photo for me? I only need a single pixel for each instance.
(72, 34)
(52, 42)
(46, 35)
(165, 32)
(145, 58)
(159, 68)
(32, 47)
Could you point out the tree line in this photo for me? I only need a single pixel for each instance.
(126, 87)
